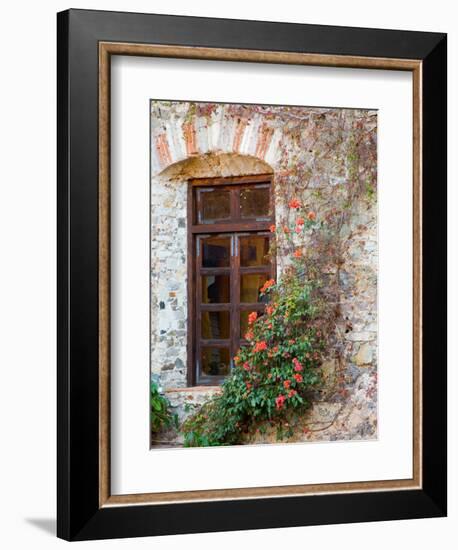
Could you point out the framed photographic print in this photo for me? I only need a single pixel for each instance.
(252, 274)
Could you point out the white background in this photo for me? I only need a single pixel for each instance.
(134, 466)
(27, 289)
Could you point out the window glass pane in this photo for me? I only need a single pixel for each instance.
(216, 252)
(215, 289)
(255, 202)
(215, 361)
(215, 325)
(250, 285)
(215, 205)
(254, 250)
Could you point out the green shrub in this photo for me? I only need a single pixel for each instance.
(161, 415)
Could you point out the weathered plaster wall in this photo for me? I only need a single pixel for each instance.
(324, 157)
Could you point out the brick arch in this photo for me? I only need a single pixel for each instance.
(220, 132)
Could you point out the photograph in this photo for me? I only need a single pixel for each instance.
(264, 268)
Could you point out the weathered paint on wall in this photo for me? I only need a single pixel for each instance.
(324, 157)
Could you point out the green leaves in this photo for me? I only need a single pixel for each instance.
(161, 416)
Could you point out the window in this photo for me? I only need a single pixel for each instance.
(229, 243)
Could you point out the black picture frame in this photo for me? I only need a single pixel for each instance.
(79, 515)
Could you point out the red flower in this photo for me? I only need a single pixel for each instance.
(298, 377)
(287, 384)
(269, 310)
(246, 365)
(248, 385)
(260, 346)
(286, 229)
(272, 228)
(249, 335)
(298, 253)
(294, 203)
(279, 401)
(252, 317)
(292, 393)
(297, 365)
(300, 221)
(311, 216)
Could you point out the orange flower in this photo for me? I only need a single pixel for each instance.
(286, 229)
(298, 253)
(252, 317)
(269, 310)
(311, 216)
(300, 221)
(249, 335)
(236, 359)
(272, 228)
(294, 203)
(292, 393)
(267, 285)
(298, 377)
(287, 384)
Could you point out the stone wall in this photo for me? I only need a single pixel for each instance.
(324, 157)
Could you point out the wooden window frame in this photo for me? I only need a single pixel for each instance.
(236, 228)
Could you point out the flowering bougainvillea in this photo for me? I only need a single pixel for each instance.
(280, 361)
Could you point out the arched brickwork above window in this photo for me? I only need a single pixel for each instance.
(221, 129)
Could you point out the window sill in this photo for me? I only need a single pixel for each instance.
(192, 389)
